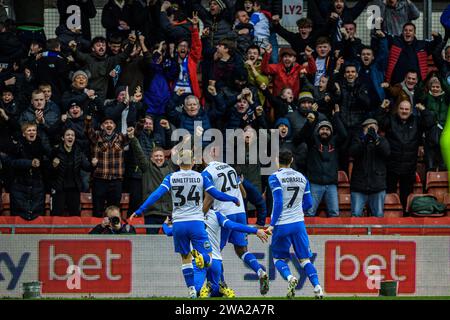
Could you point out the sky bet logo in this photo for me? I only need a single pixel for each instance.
(10, 270)
(103, 266)
(302, 277)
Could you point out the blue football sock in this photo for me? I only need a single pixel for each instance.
(283, 268)
(188, 273)
(251, 261)
(311, 272)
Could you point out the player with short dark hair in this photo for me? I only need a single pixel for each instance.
(291, 196)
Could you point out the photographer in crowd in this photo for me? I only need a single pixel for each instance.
(113, 223)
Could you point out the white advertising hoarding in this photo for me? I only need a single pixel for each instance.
(145, 266)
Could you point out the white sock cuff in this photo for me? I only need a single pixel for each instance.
(187, 266)
(243, 256)
(304, 263)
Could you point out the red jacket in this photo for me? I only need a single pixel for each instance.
(281, 79)
(194, 57)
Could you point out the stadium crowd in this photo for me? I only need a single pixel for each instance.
(68, 103)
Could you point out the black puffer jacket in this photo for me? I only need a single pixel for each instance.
(27, 188)
(80, 161)
(323, 158)
(405, 137)
(369, 165)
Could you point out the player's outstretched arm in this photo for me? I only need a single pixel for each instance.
(155, 196)
(234, 226)
(277, 195)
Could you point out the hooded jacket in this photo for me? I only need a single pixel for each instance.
(323, 156)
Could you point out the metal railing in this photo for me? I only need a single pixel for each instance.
(369, 227)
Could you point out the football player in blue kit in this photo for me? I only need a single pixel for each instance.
(291, 197)
(225, 178)
(186, 187)
(216, 223)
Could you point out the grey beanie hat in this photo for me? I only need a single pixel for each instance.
(78, 73)
(325, 123)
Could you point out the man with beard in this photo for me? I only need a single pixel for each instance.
(67, 162)
(324, 141)
(99, 63)
(298, 117)
(287, 72)
(28, 162)
(108, 148)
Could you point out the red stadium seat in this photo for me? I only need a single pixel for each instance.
(437, 184)
(86, 204)
(6, 204)
(345, 207)
(125, 204)
(392, 206)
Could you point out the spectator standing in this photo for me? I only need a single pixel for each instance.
(45, 117)
(108, 148)
(324, 141)
(99, 64)
(67, 162)
(368, 182)
(28, 160)
(408, 53)
(404, 131)
(154, 169)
